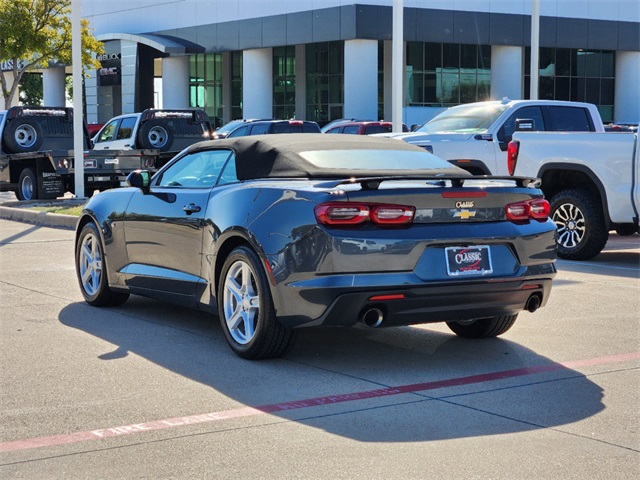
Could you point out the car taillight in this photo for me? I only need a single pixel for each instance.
(296, 122)
(347, 213)
(537, 209)
(512, 156)
(392, 214)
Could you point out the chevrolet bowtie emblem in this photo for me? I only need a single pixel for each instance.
(464, 214)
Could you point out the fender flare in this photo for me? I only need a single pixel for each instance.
(572, 167)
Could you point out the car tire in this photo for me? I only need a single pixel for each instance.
(483, 328)
(246, 310)
(91, 272)
(23, 135)
(27, 185)
(578, 215)
(156, 134)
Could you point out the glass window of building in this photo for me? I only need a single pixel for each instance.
(325, 81)
(205, 84)
(577, 75)
(284, 82)
(446, 74)
(236, 85)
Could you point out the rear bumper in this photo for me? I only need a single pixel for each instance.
(422, 302)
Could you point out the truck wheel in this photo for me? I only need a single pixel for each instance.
(578, 215)
(156, 134)
(27, 185)
(483, 328)
(23, 135)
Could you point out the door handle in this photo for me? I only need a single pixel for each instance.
(191, 208)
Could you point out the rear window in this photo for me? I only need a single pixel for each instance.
(570, 119)
(371, 129)
(383, 160)
(283, 128)
(310, 128)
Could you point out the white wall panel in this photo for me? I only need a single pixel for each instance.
(360, 72)
(627, 95)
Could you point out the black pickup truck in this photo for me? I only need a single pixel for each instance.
(37, 160)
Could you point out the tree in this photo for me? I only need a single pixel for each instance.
(31, 89)
(36, 32)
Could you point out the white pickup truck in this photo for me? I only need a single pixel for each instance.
(592, 181)
(475, 136)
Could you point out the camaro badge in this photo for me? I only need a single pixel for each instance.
(464, 214)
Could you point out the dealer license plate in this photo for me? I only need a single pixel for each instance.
(474, 260)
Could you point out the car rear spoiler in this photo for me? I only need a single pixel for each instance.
(372, 183)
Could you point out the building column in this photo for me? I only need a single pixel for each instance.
(129, 62)
(257, 83)
(627, 93)
(301, 82)
(175, 82)
(91, 96)
(388, 80)
(507, 72)
(53, 87)
(361, 79)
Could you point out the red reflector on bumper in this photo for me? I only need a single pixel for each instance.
(380, 298)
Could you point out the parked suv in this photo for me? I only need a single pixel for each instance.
(261, 127)
(364, 128)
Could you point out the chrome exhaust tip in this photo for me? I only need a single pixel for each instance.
(373, 317)
(533, 303)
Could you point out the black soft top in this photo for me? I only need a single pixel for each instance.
(283, 155)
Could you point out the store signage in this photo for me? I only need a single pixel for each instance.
(109, 74)
(7, 65)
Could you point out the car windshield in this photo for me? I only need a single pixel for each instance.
(464, 119)
(383, 160)
(226, 128)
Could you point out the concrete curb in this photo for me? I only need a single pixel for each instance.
(45, 219)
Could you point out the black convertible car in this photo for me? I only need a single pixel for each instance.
(278, 232)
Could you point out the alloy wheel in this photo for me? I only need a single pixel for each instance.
(90, 263)
(571, 225)
(241, 302)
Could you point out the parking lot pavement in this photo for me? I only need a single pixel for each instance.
(149, 390)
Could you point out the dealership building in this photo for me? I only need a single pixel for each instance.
(325, 59)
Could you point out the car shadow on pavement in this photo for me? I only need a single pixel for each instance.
(338, 361)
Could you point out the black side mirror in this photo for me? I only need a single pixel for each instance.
(140, 179)
(415, 127)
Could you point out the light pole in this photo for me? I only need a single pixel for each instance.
(78, 110)
(535, 47)
(397, 77)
